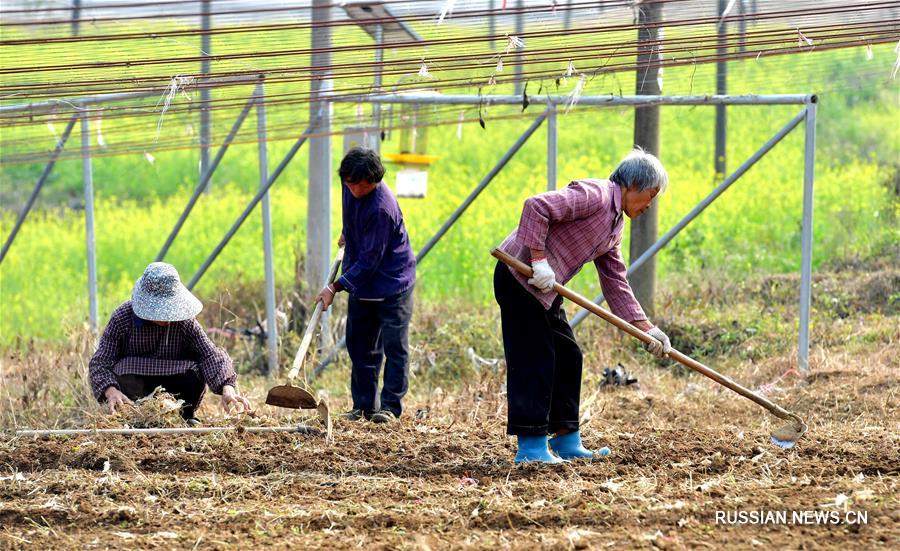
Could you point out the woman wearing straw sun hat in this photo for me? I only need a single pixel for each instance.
(154, 341)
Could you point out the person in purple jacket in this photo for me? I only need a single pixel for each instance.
(379, 273)
(558, 233)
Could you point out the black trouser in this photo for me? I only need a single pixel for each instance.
(377, 330)
(186, 386)
(543, 361)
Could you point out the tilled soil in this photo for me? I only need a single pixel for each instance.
(682, 449)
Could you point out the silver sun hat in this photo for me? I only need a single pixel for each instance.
(160, 296)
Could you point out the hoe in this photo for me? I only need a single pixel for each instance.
(784, 437)
(295, 397)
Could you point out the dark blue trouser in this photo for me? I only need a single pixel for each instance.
(377, 330)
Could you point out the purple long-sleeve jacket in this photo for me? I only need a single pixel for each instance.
(378, 259)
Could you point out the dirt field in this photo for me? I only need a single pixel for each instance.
(681, 450)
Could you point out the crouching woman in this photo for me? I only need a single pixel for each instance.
(154, 341)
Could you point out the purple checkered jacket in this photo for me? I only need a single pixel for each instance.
(577, 224)
(130, 345)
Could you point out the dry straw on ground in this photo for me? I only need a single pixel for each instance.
(682, 449)
(158, 410)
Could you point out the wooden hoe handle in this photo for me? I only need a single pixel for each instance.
(314, 321)
(683, 359)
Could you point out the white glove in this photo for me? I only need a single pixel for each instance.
(659, 347)
(543, 277)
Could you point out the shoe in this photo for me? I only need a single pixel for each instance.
(569, 446)
(533, 449)
(353, 415)
(383, 416)
(193, 422)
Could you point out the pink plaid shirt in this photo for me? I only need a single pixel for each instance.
(574, 225)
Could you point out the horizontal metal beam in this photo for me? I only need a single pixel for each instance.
(593, 101)
(77, 103)
(83, 101)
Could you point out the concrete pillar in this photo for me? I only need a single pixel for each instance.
(646, 135)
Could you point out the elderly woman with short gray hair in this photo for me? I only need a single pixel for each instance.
(558, 233)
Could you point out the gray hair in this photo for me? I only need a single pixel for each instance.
(641, 169)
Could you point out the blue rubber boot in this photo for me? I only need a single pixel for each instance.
(534, 449)
(568, 446)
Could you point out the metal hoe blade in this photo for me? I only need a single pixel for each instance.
(293, 397)
(325, 417)
(786, 436)
(288, 395)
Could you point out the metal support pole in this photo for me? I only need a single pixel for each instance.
(809, 165)
(492, 28)
(551, 147)
(701, 206)
(76, 16)
(37, 187)
(647, 135)
(250, 206)
(379, 60)
(205, 92)
(87, 171)
(721, 89)
(520, 56)
(332, 354)
(480, 187)
(201, 186)
(567, 18)
(318, 205)
(271, 322)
